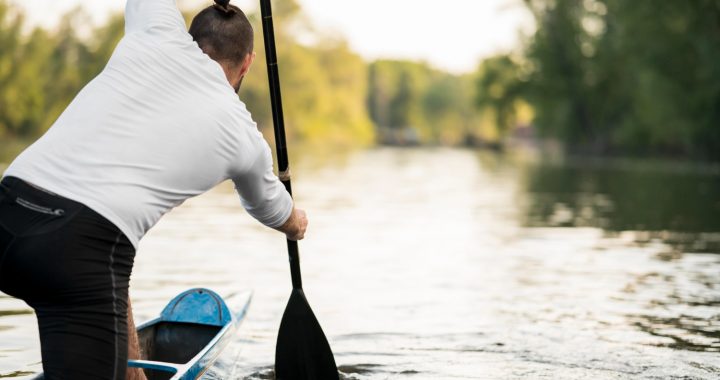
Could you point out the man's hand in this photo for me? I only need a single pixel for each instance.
(294, 228)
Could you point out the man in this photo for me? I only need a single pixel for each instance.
(160, 124)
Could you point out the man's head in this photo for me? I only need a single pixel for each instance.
(224, 33)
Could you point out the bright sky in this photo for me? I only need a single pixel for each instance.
(450, 34)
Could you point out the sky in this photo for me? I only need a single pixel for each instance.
(453, 35)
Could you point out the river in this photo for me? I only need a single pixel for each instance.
(439, 263)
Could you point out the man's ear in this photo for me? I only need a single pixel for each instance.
(247, 62)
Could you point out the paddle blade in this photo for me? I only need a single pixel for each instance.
(302, 351)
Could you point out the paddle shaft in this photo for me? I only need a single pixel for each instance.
(279, 127)
(302, 351)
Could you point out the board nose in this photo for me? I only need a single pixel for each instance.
(198, 305)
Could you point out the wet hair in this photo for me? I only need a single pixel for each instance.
(223, 32)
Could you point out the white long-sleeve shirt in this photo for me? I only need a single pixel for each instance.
(158, 125)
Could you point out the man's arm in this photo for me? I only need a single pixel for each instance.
(142, 15)
(263, 195)
(294, 228)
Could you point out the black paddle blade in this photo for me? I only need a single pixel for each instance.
(302, 351)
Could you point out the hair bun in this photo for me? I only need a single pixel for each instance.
(223, 6)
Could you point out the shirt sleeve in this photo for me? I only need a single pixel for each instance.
(143, 15)
(261, 192)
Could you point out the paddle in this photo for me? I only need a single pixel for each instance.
(302, 351)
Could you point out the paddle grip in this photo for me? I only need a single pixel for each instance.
(279, 125)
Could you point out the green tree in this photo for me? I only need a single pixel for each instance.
(436, 105)
(499, 88)
(613, 76)
(324, 84)
(561, 83)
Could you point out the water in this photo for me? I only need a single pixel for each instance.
(445, 264)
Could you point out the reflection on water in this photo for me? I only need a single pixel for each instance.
(679, 206)
(443, 263)
(647, 203)
(687, 316)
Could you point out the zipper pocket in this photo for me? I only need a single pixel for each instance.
(34, 207)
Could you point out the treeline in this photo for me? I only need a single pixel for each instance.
(616, 76)
(324, 84)
(600, 76)
(410, 102)
(330, 95)
(41, 71)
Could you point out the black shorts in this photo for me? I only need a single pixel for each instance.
(72, 266)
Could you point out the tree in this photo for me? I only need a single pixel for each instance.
(613, 76)
(499, 88)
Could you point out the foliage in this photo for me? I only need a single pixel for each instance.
(405, 95)
(614, 76)
(40, 71)
(500, 89)
(601, 76)
(324, 85)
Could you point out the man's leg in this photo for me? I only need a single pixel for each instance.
(133, 347)
(80, 297)
(73, 267)
(80, 342)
